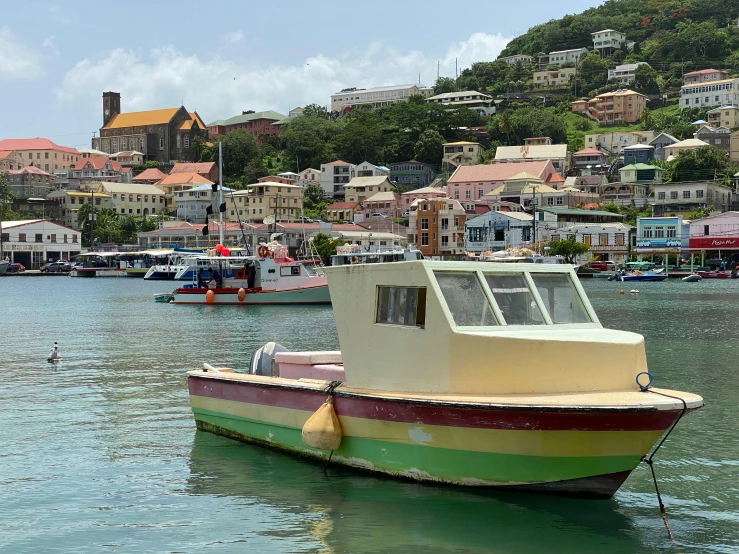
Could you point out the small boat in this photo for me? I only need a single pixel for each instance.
(461, 373)
(4, 265)
(715, 274)
(138, 264)
(271, 277)
(694, 278)
(99, 264)
(641, 276)
(164, 298)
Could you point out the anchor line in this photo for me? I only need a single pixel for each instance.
(650, 460)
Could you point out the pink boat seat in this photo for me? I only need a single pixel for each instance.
(309, 358)
(321, 372)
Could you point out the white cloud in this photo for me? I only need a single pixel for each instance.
(17, 61)
(220, 88)
(234, 36)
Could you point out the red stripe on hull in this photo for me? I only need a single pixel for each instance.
(438, 413)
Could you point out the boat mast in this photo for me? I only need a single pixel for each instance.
(220, 192)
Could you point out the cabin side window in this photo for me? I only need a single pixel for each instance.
(560, 298)
(465, 299)
(514, 299)
(401, 306)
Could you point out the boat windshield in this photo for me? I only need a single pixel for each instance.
(530, 298)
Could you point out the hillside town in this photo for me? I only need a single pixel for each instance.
(619, 191)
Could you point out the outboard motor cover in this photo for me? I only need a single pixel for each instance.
(261, 359)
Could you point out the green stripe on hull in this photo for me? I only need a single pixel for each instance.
(419, 461)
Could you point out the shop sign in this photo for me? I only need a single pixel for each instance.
(714, 243)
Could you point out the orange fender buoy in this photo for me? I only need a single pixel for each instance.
(323, 429)
(209, 297)
(241, 294)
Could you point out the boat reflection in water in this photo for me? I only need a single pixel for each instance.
(342, 511)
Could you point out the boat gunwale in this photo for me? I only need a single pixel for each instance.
(313, 386)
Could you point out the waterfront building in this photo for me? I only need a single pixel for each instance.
(437, 227)
(42, 153)
(605, 240)
(724, 116)
(625, 73)
(705, 76)
(33, 242)
(262, 200)
(662, 235)
(128, 158)
(254, 123)
(471, 99)
(342, 211)
(29, 182)
(717, 233)
(383, 203)
(408, 197)
(556, 153)
(688, 144)
(413, 174)
(472, 182)
(361, 188)
(660, 142)
(334, 175)
(682, 198)
(512, 60)
(348, 98)
(561, 57)
(588, 158)
(149, 176)
(366, 169)
(174, 183)
(611, 108)
(554, 77)
(209, 170)
(70, 202)
(720, 137)
(161, 135)
(461, 153)
(494, 231)
(576, 215)
(607, 41)
(613, 143)
(134, 199)
(10, 159)
(710, 93)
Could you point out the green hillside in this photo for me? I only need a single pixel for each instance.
(673, 36)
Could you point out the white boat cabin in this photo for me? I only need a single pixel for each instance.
(352, 254)
(465, 328)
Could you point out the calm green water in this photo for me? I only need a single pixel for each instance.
(100, 453)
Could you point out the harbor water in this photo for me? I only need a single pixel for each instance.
(100, 453)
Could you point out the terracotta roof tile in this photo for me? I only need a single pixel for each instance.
(135, 119)
(150, 174)
(202, 167)
(34, 144)
(184, 178)
(342, 206)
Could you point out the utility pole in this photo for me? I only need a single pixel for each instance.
(456, 72)
(438, 64)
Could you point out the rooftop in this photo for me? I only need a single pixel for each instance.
(245, 118)
(182, 179)
(575, 211)
(201, 167)
(150, 174)
(135, 119)
(342, 206)
(639, 167)
(34, 144)
(367, 181)
(498, 172)
(378, 89)
(588, 152)
(458, 94)
(541, 151)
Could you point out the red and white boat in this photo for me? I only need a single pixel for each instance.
(271, 277)
(715, 274)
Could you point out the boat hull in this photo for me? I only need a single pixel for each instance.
(713, 275)
(627, 278)
(229, 296)
(98, 272)
(137, 272)
(584, 453)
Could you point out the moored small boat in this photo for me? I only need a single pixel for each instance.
(715, 274)
(641, 276)
(99, 264)
(463, 373)
(694, 278)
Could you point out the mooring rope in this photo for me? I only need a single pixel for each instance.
(330, 391)
(650, 459)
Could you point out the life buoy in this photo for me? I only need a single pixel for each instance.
(263, 251)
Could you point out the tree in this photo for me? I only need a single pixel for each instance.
(197, 146)
(239, 148)
(700, 213)
(326, 246)
(430, 147)
(6, 197)
(151, 164)
(646, 79)
(568, 248)
(706, 162)
(593, 71)
(314, 110)
(444, 85)
(611, 207)
(313, 193)
(309, 140)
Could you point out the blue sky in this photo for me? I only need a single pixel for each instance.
(221, 57)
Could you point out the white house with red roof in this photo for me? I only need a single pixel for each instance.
(96, 169)
(42, 153)
(472, 182)
(336, 174)
(588, 157)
